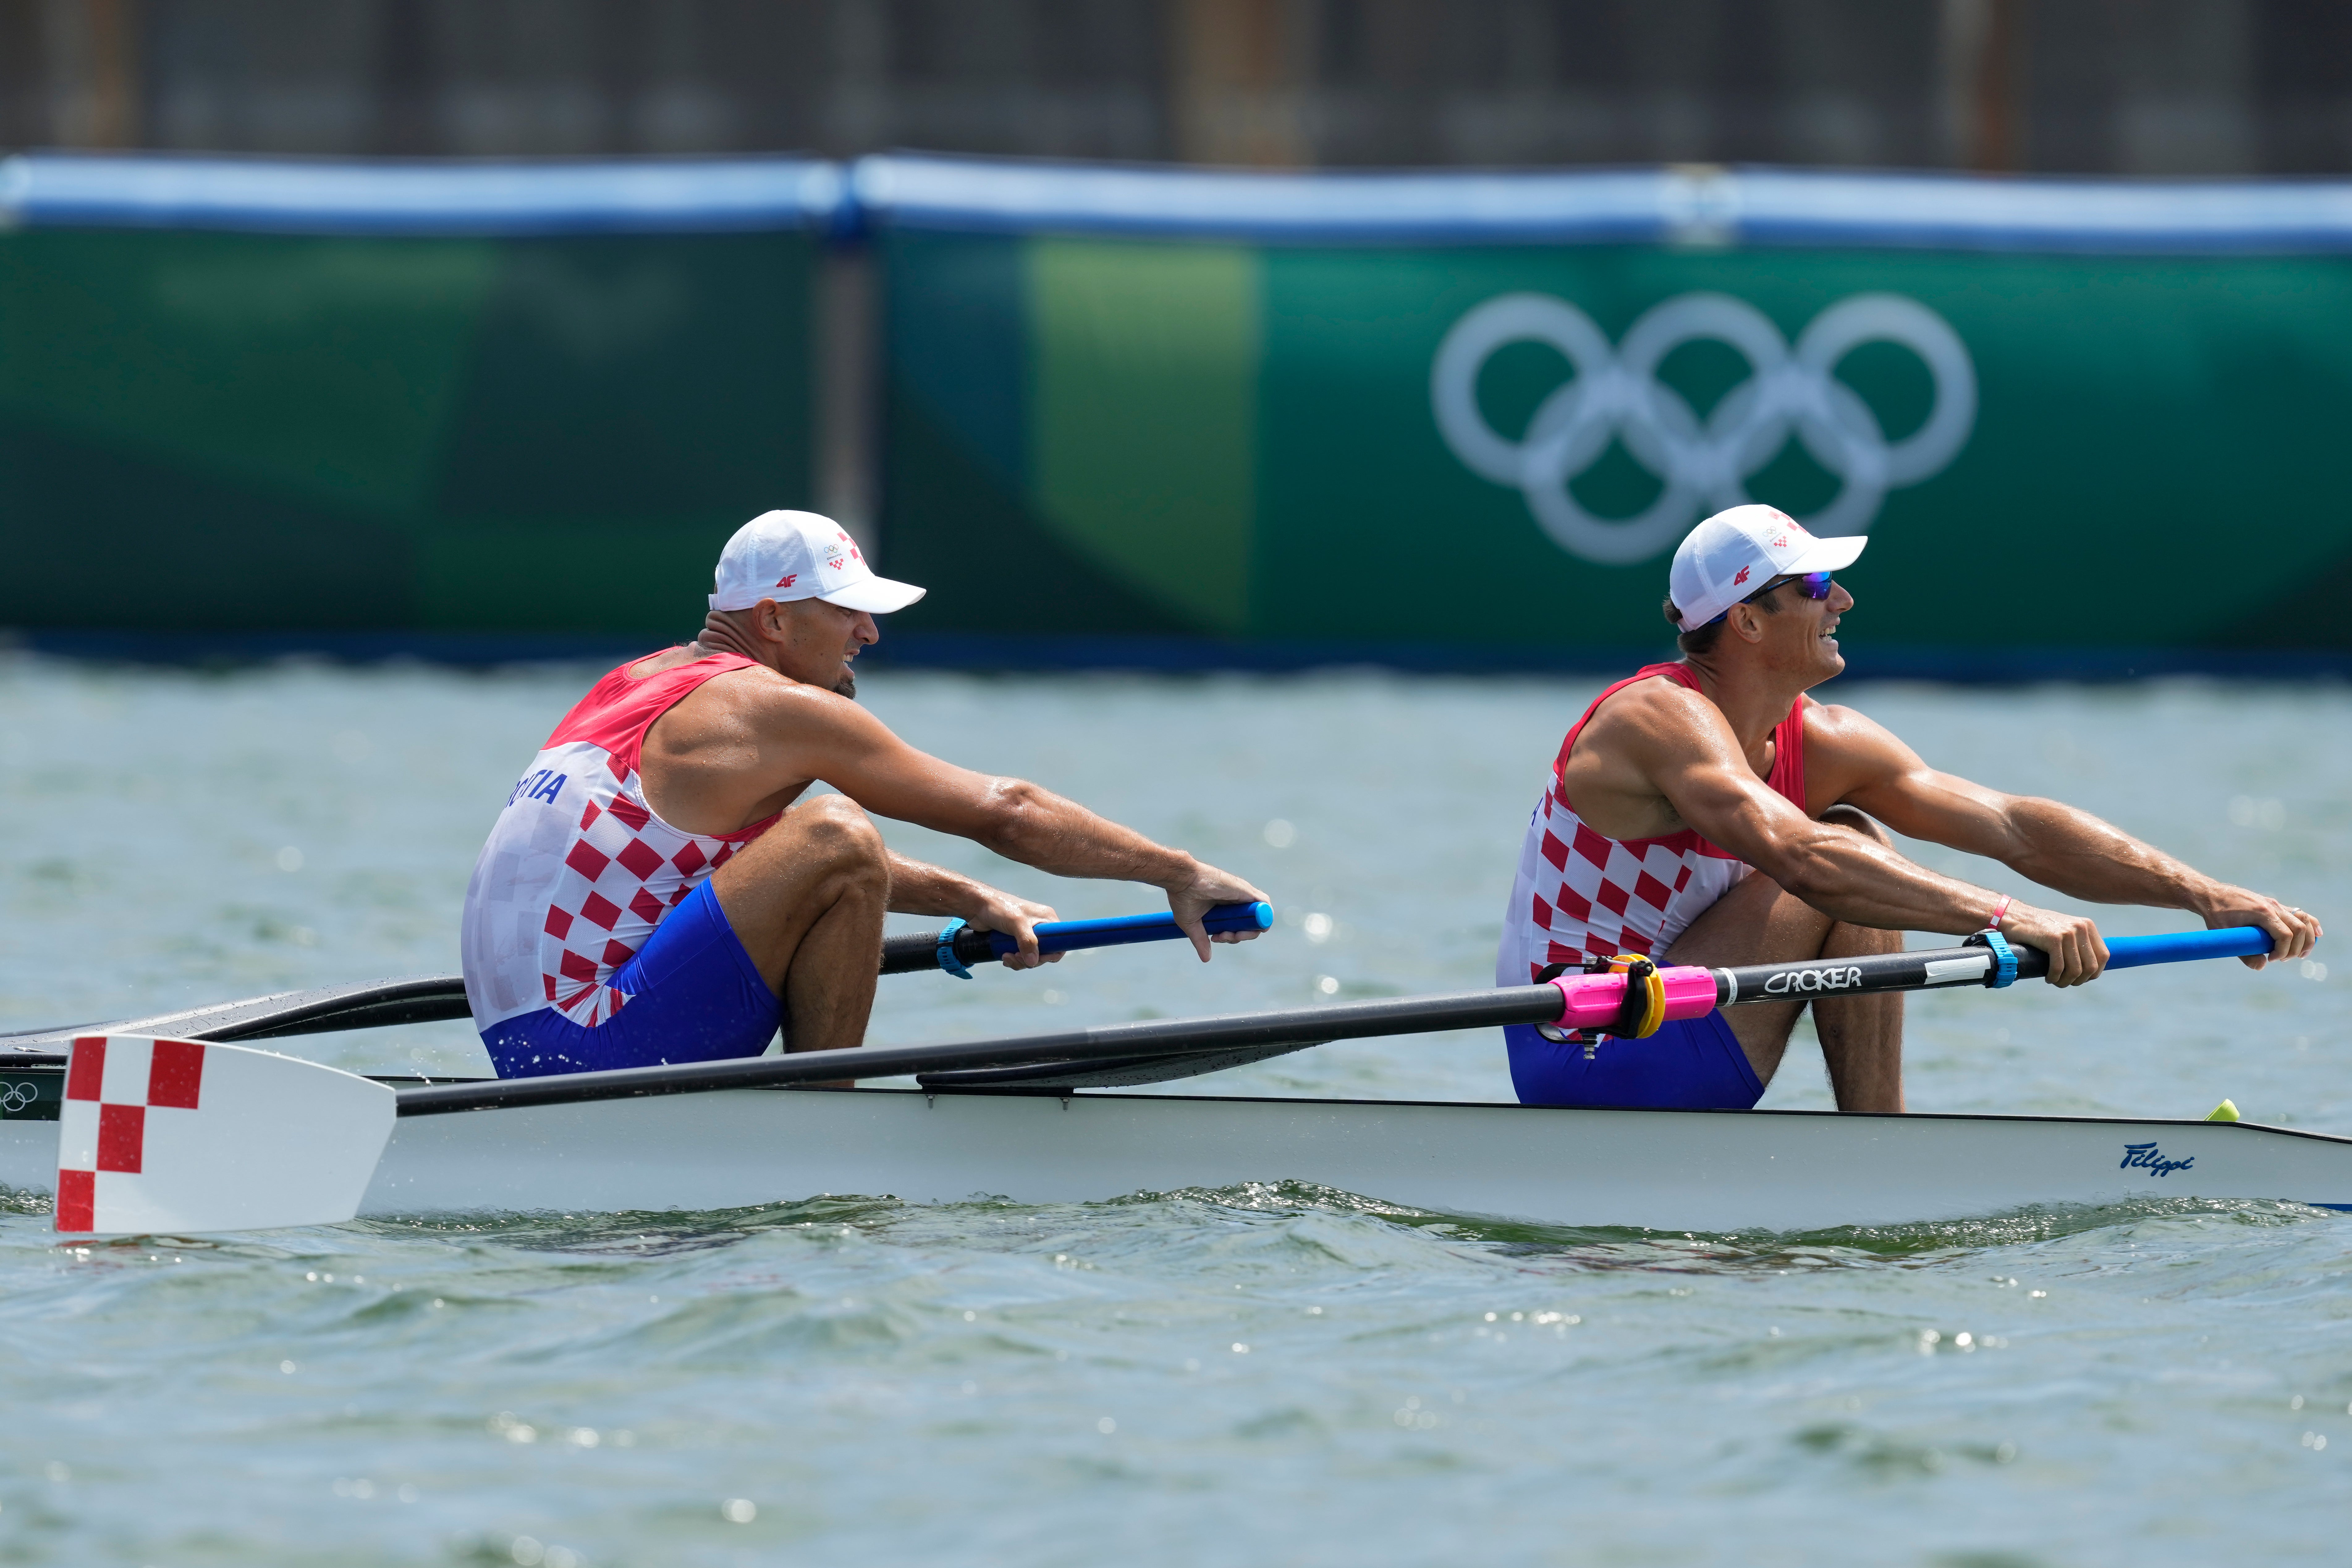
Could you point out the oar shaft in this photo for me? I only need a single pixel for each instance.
(1351, 1020)
(1930, 969)
(1573, 1001)
(920, 951)
(1595, 1001)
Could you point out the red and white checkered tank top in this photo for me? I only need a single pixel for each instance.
(1578, 894)
(579, 869)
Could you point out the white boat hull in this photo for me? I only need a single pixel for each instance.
(1701, 1171)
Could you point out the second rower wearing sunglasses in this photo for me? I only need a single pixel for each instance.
(1708, 812)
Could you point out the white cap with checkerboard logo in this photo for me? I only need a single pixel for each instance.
(1735, 552)
(788, 556)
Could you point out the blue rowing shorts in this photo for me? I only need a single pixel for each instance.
(1690, 1064)
(694, 995)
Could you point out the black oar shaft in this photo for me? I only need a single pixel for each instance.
(1350, 1020)
(1932, 969)
(1927, 970)
(919, 952)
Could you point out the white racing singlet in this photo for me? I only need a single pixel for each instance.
(1578, 894)
(579, 869)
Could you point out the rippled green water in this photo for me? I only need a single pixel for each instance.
(851, 1381)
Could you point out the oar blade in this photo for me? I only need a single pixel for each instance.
(182, 1137)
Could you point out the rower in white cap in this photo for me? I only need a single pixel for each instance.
(656, 889)
(1708, 812)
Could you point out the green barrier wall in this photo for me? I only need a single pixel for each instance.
(216, 431)
(1231, 441)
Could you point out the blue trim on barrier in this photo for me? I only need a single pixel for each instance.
(1974, 667)
(1639, 206)
(651, 195)
(1015, 197)
(1171, 655)
(1603, 206)
(1188, 656)
(466, 649)
(1946, 212)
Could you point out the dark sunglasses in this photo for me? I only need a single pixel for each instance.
(1814, 584)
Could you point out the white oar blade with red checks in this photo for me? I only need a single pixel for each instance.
(175, 1136)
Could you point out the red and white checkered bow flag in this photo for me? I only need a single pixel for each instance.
(171, 1135)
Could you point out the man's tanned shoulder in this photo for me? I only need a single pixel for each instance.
(1835, 731)
(761, 693)
(756, 705)
(1656, 713)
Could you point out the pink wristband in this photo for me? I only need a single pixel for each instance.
(2000, 913)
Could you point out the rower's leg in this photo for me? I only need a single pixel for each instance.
(806, 899)
(1861, 1036)
(1757, 923)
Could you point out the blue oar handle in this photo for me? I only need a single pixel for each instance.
(1068, 936)
(955, 946)
(2178, 947)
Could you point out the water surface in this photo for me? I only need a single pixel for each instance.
(1261, 1373)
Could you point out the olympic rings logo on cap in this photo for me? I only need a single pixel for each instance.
(1705, 465)
(16, 1095)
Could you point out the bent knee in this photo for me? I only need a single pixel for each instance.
(838, 828)
(1856, 821)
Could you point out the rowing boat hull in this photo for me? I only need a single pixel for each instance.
(1711, 1171)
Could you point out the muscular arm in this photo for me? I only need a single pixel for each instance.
(815, 734)
(2050, 842)
(1670, 754)
(1661, 757)
(1684, 747)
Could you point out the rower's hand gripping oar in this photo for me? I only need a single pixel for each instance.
(271, 1141)
(955, 946)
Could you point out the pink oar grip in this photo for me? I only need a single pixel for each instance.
(1593, 1001)
(1690, 991)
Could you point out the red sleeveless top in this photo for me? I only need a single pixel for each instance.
(578, 868)
(1578, 894)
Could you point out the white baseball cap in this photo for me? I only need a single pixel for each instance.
(1735, 552)
(788, 556)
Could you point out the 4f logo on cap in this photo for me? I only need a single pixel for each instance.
(1739, 576)
(788, 579)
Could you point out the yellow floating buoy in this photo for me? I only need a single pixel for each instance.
(2225, 1112)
